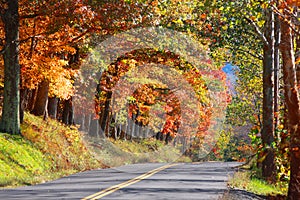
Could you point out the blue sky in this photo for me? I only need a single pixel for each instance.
(230, 69)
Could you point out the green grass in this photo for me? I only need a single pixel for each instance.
(244, 181)
(64, 145)
(45, 151)
(21, 162)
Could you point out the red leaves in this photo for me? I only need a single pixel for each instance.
(48, 33)
(146, 96)
(203, 16)
(209, 27)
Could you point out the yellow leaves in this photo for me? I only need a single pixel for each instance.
(178, 21)
(281, 126)
(264, 5)
(48, 40)
(225, 27)
(61, 84)
(53, 69)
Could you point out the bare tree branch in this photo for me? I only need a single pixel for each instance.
(260, 34)
(258, 56)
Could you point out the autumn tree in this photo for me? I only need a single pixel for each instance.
(240, 25)
(10, 121)
(291, 94)
(148, 94)
(268, 131)
(54, 36)
(49, 55)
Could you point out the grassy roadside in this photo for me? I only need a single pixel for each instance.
(46, 151)
(115, 153)
(21, 162)
(243, 180)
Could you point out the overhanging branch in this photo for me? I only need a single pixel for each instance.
(257, 30)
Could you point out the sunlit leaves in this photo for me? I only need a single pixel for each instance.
(152, 97)
(48, 34)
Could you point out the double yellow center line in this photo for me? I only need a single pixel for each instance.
(114, 188)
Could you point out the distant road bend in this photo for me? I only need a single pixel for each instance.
(138, 181)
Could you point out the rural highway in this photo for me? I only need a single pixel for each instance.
(138, 181)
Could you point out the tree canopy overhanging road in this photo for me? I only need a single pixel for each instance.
(149, 72)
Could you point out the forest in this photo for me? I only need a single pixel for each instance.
(134, 69)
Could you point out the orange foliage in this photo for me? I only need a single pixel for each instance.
(293, 2)
(49, 33)
(146, 95)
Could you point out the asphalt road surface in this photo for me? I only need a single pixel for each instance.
(139, 181)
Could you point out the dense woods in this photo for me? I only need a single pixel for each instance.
(51, 66)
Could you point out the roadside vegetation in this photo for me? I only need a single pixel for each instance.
(248, 181)
(21, 162)
(49, 149)
(45, 151)
(54, 70)
(119, 152)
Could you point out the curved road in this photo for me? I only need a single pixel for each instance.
(139, 181)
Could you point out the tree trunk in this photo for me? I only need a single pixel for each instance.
(10, 122)
(80, 120)
(31, 99)
(293, 108)
(297, 57)
(276, 71)
(87, 122)
(84, 121)
(23, 102)
(52, 107)
(41, 102)
(68, 116)
(26, 101)
(123, 131)
(267, 134)
(94, 126)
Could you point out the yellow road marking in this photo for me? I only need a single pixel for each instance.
(114, 188)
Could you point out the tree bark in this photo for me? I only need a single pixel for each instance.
(10, 122)
(277, 37)
(297, 57)
(267, 134)
(52, 107)
(94, 127)
(68, 116)
(293, 107)
(31, 99)
(87, 122)
(23, 102)
(41, 102)
(26, 101)
(104, 113)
